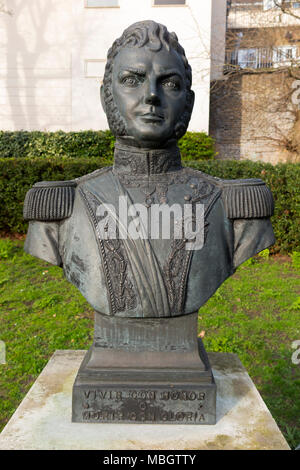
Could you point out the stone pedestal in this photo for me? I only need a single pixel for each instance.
(145, 371)
(43, 419)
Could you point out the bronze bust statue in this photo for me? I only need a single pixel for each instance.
(146, 292)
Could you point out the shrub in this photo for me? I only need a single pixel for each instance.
(17, 175)
(25, 144)
(196, 146)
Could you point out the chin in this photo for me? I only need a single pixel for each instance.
(155, 136)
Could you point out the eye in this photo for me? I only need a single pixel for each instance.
(131, 81)
(171, 84)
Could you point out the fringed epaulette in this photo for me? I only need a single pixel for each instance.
(247, 199)
(49, 200)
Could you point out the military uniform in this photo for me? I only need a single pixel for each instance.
(150, 278)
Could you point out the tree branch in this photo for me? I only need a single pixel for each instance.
(285, 9)
(3, 9)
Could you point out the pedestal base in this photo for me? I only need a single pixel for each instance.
(173, 396)
(145, 371)
(43, 419)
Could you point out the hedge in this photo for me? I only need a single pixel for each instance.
(17, 175)
(25, 144)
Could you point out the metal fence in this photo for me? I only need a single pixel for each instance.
(262, 58)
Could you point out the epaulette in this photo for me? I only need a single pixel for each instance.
(49, 200)
(247, 198)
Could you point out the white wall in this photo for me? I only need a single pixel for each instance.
(35, 65)
(53, 52)
(218, 38)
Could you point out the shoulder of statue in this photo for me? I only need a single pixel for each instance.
(53, 200)
(243, 198)
(95, 174)
(247, 198)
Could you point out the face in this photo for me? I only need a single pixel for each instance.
(150, 93)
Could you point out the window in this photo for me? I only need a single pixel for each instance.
(101, 3)
(169, 2)
(296, 5)
(247, 58)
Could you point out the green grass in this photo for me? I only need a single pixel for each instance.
(39, 313)
(255, 314)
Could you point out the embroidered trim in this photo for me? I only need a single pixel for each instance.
(115, 263)
(133, 161)
(156, 186)
(175, 271)
(178, 263)
(163, 179)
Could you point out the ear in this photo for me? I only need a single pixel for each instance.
(102, 98)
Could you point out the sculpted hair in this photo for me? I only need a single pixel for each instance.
(154, 36)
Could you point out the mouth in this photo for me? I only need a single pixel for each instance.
(152, 117)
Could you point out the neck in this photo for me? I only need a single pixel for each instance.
(132, 160)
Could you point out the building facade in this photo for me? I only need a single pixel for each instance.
(260, 35)
(53, 54)
(253, 113)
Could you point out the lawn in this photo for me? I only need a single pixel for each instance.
(255, 313)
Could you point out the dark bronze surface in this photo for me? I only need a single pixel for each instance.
(151, 371)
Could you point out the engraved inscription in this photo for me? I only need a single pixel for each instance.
(182, 395)
(104, 394)
(138, 405)
(144, 395)
(167, 416)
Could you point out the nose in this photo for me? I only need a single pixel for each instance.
(152, 98)
(152, 95)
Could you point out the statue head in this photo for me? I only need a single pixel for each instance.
(146, 92)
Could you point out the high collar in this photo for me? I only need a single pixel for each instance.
(137, 161)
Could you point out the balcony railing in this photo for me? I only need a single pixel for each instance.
(262, 58)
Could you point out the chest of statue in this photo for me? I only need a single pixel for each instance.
(151, 271)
